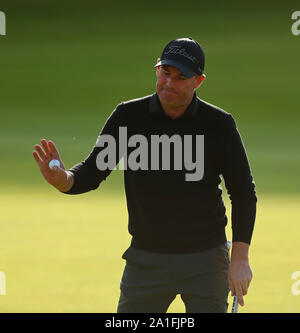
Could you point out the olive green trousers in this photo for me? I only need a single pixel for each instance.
(151, 281)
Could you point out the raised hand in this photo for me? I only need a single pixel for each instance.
(58, 176)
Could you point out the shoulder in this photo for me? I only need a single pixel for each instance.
(212, 110)
(130, 109)
(135, 103)
(214, 114)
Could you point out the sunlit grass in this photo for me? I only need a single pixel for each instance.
(62, 253)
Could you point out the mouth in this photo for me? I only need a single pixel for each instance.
(169, 92)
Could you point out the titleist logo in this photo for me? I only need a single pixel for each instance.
(181, 51)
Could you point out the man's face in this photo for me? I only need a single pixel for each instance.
(173, 88)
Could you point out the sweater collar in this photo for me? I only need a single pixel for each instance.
(155, 106)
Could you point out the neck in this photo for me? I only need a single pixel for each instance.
(175, 111)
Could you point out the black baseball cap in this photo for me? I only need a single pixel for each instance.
(186, 55)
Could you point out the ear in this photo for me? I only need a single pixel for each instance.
(158, 67)
(200, 79)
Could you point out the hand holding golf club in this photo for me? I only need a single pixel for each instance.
(51, 166)
(240, 274)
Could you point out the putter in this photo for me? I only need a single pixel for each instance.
(235, 304)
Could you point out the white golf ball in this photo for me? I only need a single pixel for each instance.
(53, 163)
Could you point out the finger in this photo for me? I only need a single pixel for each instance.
(37, 158)
(41, 152)
(53, 149)
(248, 283)
(46, 147)
(231, 287)
(239, 294)
(244, 289)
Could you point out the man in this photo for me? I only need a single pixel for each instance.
(176, 218)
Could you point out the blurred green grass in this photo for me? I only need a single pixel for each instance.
(64, 68)
(63, 253)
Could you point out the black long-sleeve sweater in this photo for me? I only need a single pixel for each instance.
(166, 212)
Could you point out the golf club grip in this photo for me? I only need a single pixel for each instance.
(235, 305)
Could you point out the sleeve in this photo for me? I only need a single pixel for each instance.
(87, 174)
(239, 183)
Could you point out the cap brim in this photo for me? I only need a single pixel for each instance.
(181, 67)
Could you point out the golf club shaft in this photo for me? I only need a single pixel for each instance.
(235, 305)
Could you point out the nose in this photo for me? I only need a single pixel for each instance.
(169, 82)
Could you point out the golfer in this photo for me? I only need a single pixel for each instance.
(177, 223)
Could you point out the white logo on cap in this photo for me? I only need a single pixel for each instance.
(181, 51)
